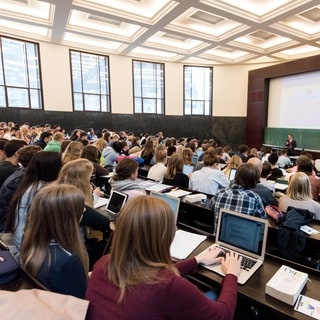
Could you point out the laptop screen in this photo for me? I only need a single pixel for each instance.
(232, 174)
(173, 202)
(187, 168)
(116, 202)
(242, 231)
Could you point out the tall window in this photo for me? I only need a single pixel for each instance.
(20, 83)
(90, 82)
(148, 82)
(197, 90)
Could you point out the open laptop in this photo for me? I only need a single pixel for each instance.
(244, 234)
(116, 202)
(187, 169)
(173, 202)
(232, 174)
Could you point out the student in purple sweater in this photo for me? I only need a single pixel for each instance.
(138, 279)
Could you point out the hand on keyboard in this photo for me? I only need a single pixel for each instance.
(231, 263)
(209, 256)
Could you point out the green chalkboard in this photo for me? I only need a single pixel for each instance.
(308, 139)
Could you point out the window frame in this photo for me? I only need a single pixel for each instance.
(142, 97)
(29, 89)
(85, 94)
(210, 101)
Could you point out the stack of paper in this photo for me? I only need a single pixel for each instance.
(286, 284)
(184, 243)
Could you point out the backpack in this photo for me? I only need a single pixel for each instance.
(291, 239)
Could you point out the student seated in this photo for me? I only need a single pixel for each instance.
(174, 175)
(283, 160)
(275, 171)
(124, 179)
(138, 280)
(299, 195)
(52, 250)
(209, 179)
(240, 197)
(157, 171)
(43, 168)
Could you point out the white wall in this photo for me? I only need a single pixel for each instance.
(229, 85)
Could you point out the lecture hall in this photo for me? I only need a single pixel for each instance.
(134, 133)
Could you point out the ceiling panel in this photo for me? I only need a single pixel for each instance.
(204, 32)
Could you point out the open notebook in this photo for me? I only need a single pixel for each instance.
(244, 234)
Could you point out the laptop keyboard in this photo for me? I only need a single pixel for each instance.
(246, 262)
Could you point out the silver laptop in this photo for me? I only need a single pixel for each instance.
(244, 234)
(188, 168)
(232, 174)
(173, 202)
(116, 202)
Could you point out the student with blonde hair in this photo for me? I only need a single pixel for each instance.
(157, 171)
(52, 250)
(138, 280)
(72, 152)
(299, 195)
(234, 163)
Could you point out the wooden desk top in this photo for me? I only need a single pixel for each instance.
(254, 289)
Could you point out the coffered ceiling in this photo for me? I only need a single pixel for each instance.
(186, 31)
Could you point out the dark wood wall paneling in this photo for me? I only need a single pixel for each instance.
(225, 130)
(258, 86)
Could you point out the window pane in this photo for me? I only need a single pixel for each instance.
(159, 106)
(138, 105)
(18, 98)
(197, 90)
(92, 102)
(2, 97)
(1, 71)
(187, 107)
(207, 107)
(90, 78)
(20, 74)
(76, 72)
(78, 102)
(33, 66)
(149, 85)
(14, 60)
(90, 74)
(35, 99)
(149, 106)
(104, 103)
(197, 107)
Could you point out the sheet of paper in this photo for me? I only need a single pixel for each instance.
(308, 306)
(184, 243)
(178, 193)
(101, 202)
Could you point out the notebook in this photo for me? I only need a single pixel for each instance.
(244, 234)
(116, 202)
(173, 202)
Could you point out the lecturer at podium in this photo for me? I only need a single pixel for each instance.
(291, 144)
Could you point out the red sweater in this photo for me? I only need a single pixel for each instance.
(172, 298)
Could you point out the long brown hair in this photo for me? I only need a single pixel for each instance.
(78, 173)
(175, 165)
(141, 244)
(54, 215)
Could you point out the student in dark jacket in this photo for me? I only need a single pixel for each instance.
(174, 175)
